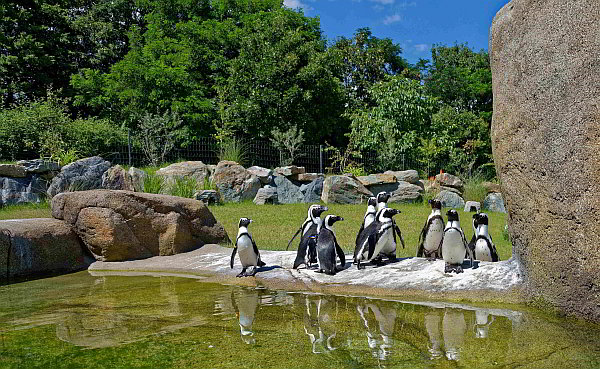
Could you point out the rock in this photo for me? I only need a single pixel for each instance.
(491, 187)
(313, 190)
(208, 197)
(31, 189)
(137, 178)
(83, 174)
(451, 199)
(287, 192)
(449, 180)
(406, 192)
(234, 182)
(494, 202)
(376, 179)
(39, 166)
(451, 189)
(263, 174)
(185, 169)
(410, 176)
(266, 195)
(40, 247)
(289, 170)
(344, 190)
(544, 58)
(121, 225)
(386, 187)
(12, 170)
(472, 206)
(116, 178)
(306, 177)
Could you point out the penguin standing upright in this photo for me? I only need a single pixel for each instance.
(432, 233)
(390, 249)
(328, 247)
(307, 250)
(369, 215)
(454, 245)
(249, 255)
(375, 237)
(483, 247)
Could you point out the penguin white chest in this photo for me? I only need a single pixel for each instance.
(434, 235)
(482, 251)
(386, 238)
(246, 251)
(453, 247)
(369, 219)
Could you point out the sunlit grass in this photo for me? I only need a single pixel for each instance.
(26, 211)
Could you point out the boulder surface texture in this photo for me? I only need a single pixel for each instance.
(344, 190)
(39, 247)
(545, 58)
(123, 225)
(83, 174)
(234, 182)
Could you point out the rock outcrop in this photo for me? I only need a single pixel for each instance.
(116, 178)
(122, 225)
(344, 190)
(83, 174)
(234, 182)
(185, 169)
(545, 56)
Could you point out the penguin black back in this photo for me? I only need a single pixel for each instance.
(328, 247)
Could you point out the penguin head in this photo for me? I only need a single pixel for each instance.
(244, 222)
(435, 204)
(387, 213)
(480, 218)
(383, 196)
(331, 219)
(372, 201)
(316, 210)
(452, 215)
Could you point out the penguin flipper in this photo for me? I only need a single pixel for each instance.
(372, 242)
(289, 243)
(362, 228)
(301, 254)
(420, 249)
(397, 229)
(233, 255)
(340, 254)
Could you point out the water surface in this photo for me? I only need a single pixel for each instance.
(85, 321)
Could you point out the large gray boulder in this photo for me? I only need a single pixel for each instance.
(494, 202)
(266, 195)
(123, 225)
(344, 190)
(313, 190)
(410, 176)
(83, 174)
(12, 170)
(450, 180)
(116, 178)
(406, 193)
(235, 183)
(39, 247)
(264, 174)
(287, 192)
(138, 177)
(39, 166)
(451, 199)
(185, 169)
(22, 190)
(544, 56)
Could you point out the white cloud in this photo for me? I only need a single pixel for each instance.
(421, 47)
(384, 2)
(295, 4)
(406, 4)
(392, 19)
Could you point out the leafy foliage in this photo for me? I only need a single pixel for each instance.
(158, 134)
(288, 143)
(233, 150)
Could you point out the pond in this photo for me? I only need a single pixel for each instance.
(86, 321)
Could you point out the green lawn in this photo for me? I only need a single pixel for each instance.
(274, 225)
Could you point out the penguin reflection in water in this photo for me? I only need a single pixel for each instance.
(328, 247)
(375, 237)
(432, 233)
(319, 323)
(249, 255)
(386, 320)
(481, 244)
(307, 250)
(454, 245)
(245, 308)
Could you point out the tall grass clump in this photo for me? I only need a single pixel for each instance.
(233, 150)
(184, 187)
(153, 183)
(474, 189)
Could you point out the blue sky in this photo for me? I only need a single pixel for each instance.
(413, 24)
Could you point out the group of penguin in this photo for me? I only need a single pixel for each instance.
(375, 240)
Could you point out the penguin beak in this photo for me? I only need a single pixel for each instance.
(325, 208)
(340, 218)
(249, 220)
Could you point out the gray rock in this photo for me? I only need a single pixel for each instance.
(287, 192)
(266, 195)
(449, 180)
(492, 187)
(494, 202)
(185, 169)
(235, 183)
(39, 166)
(387, 187)
(406, 192)
(472, 206)
(451, 189)
(265, 175)
(313, 191)
(289, 170)
(410, 176)
(31, 189)
(83, 174)
(306, 177)
(116, 178)
(451, 200)
(12, 170)
(344, 190)
(208, 197)
(377, 179)
(137, 178)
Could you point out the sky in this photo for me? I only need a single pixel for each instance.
(413, 24)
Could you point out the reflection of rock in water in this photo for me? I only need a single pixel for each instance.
(317, 322)
(386, 319)
(167, 290)
(246, 304)
(432, 325)
(454, 328)
(482, 323)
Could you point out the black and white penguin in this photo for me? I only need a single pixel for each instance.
(482, 246)
(307, 249)
(375, 237)
(369, 215)
(249, 255)
(390, 250)
(454, 244)
(432, 233)
(328, 247)
(382, 199)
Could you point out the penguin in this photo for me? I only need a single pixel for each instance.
(454, 245)
(249, 255)
(432, 233)
(482, 247)
(390, 250)
(328, 247)
(369, 215)
(307, 249)
(375, 237)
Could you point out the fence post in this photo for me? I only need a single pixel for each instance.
(129, 144)
(321, 159)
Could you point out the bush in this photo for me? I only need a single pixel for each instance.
(233, 150)
(92, 136)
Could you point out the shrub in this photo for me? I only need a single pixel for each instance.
(157, 134)
(288, 143)
(234, 150)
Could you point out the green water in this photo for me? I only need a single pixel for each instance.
(84, 321)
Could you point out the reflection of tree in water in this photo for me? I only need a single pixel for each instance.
(380, 342)
(319, 323)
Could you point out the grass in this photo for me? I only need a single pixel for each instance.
(184, 187)
(26, 211)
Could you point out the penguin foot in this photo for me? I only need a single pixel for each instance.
(456, 268)
(392, 258)
(330, 272)
(242, 273)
